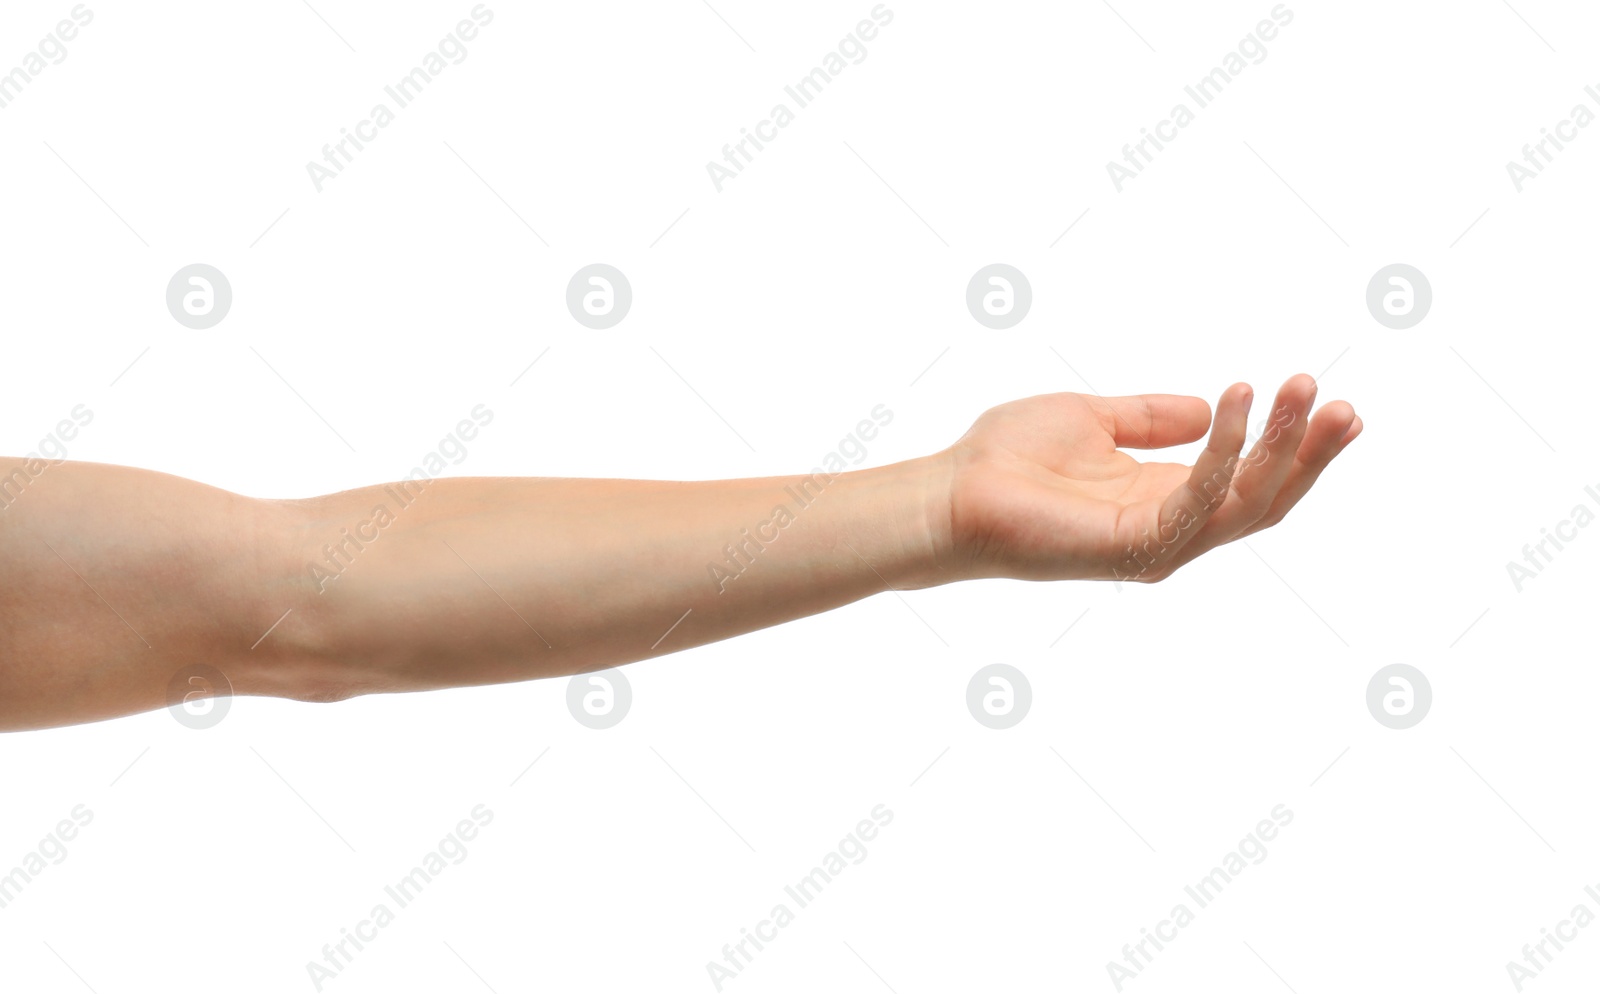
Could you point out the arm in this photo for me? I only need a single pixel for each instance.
(117, 578)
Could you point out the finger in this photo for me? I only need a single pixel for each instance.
(1152, 420)
(1187, 509)
(1333, 428)
(1260, 474)
(1350, 436)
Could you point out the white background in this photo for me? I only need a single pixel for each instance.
(822, 281)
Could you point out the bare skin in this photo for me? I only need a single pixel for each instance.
(115, 579)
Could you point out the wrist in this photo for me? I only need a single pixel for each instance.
(918, 513)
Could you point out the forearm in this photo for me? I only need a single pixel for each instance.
(476, 581)
(118, 578)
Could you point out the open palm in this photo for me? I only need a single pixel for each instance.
(1040, 489)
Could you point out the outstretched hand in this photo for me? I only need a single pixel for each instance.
(1039, 489)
